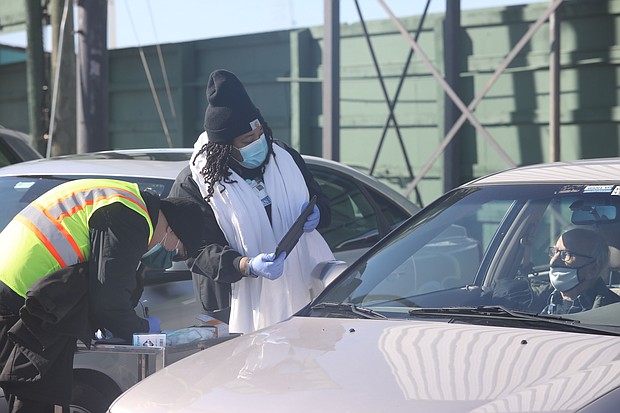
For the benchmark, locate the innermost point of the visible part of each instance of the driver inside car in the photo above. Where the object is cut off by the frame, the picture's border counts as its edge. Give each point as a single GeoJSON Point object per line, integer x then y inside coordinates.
{"type": "Point", "coordinates": [578, 262]}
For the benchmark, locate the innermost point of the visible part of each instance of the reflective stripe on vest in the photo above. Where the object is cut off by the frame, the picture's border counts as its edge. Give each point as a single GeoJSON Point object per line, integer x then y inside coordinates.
{"type": "Point", "coordinates": [46, 223]}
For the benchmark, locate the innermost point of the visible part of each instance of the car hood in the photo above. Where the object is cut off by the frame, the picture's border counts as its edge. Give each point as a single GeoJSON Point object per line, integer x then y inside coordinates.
{"type": "Point", "coordinates": [342, 365]}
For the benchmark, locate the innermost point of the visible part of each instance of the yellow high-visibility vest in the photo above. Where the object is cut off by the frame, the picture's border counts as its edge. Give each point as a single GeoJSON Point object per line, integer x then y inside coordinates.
{"type": "Point", "coordinates": [52, 232]}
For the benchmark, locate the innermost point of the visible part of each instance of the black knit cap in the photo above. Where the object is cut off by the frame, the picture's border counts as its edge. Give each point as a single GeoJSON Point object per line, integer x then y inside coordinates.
{"type": "Point", "coordinates": [230, 109]}
{"type": "Point", "coordinates": [186, 219]}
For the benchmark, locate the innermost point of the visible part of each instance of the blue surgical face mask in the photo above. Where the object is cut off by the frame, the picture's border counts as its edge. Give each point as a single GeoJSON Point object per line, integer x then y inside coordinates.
{"type": "Point", "coordinates": [255, 153]}
{"type": "Point", "coordinates": [563, 278]}
{"type": "Point", "coordinates": [158, 256]}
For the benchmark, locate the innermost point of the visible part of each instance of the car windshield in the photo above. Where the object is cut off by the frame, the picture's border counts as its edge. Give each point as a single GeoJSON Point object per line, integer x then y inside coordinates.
{"type": "Point", "coordinates": [480, 253]}
{"type": "Point", "coordinates": [19, 191]}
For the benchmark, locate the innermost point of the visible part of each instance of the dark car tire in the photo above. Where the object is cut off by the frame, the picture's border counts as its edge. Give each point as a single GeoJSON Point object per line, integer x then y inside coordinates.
{"type": "Point", "coordinates": [92, 395]}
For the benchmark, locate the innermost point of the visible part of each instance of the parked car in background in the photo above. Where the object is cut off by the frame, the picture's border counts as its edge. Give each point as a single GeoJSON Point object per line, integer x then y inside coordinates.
{"type": "Point", "coordinates": [416, 324]}
{"type": "Point", "coordinates": [363, 211]}
{"type": "Point", "coordinates": [363, 208]}
{"type": "Point", "coordinates": [14, 147]}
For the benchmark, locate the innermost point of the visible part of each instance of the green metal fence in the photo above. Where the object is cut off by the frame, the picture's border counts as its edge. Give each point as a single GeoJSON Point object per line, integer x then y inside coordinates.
{"type": "Point", "coordinates": [282, 72]}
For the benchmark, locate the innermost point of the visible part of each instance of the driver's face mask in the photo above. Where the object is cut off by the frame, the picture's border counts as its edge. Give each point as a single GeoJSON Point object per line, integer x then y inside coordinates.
{"type": "Point", "coordinates": [564, 278]}
{"type": "Point", "coordinates": [159, 257]}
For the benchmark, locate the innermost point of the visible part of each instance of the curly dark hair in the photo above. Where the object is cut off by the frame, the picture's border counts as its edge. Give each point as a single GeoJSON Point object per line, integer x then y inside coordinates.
{"type": "Point", "coordinates": [216, 169]}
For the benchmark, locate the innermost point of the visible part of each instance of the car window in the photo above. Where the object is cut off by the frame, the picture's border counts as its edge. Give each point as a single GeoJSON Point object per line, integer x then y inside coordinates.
{"type": "Point", "coordinates": [482, 247]}
{"type": "Point", "coordinates": [18, 192]}
{"type": "Point", "coordinates": [451, 257]}
{"type": "Point", "coordinates": [391, 212]}
{"type": "Point", "coordinates": [4, 160]}
{"type": "Point", "coordinates": [14, 148]}
{"type": "Point", "coordinates": [354, 221]}
{"type": "Point", "coordinates": [444, 249]}
{"type": "Point", "coordinates": [556, 219]}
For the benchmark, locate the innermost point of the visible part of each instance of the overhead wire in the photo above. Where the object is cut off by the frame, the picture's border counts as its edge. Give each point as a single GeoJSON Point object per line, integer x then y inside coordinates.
{"type": "Point", "coordinates": [162, 65]}
{"type": "Point", "coordinates": [150, 79]}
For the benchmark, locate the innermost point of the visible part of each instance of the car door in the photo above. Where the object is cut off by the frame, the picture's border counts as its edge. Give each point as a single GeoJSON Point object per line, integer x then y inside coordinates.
{"type": "Point", "coordinates": [360, 215]}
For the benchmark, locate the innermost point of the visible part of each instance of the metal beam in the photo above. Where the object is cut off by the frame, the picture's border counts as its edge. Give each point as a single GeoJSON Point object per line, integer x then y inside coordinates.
{"type": "Point", "coordinates": [467, 113]}
{"type": "Point", "coordinates": [452, 35]}
{"type": "Point", "coordinates": [386, 97]}
{"type": "Point", "coordinates": [331, 80]}
{"type": "Point", "coordinates": [449, 91]}
{"type": "Point", "coordinates": [391, 104]}
{"type": "Point", "coordinates": [554, 87]}
{"type": "Point", "coordinates": [35, 73]}
{"type": "Point", "coordinates": [92, 73]}
{"type": "Point", "coordinates": [61, 136]}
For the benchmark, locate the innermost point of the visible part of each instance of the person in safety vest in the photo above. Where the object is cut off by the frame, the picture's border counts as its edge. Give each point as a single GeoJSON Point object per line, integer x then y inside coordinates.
{"type": "Point", "coordinates": [252, 189]}
{"type": "Point", "coordinates": [68, 266]}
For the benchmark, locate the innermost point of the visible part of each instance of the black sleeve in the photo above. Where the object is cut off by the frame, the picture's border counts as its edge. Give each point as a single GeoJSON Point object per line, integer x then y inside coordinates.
{"type": "Point", "coordinates": [322, 201]}
{"type": "Point", "coordinates": [217, 260]}
{"type": "Point", "coordinates": [119, 238]}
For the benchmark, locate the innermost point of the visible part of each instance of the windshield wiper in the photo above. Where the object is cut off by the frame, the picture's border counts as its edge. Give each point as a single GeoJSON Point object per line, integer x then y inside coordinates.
{"type": "Point", "coordinates": [347, 309]}
{"type": "Point", "coordinates": [503, 313]}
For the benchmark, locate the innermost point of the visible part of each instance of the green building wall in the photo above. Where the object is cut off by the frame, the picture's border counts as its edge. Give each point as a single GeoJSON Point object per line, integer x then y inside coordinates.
{"type": "Point", "coordinates": [282, 71]}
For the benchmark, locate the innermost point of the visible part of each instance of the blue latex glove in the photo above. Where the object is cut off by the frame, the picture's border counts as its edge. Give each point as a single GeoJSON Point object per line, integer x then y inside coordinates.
{"type": "Point", "coordinates": [313, 218]}
{"type": "Point", "coordinates": [268, 266]}
{"type": "Point", "coordinates": [154, 325]}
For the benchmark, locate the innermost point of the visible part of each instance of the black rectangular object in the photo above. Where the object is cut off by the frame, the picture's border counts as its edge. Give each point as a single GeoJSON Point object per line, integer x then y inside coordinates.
{"type": "Point", "coordinates": [290, 239]}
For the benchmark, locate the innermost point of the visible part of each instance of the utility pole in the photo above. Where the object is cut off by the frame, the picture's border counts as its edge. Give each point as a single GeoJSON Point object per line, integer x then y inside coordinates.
{"type": "Point", "coordinates": [452, 154]}
{"type": "Point", "coordinates": [92, 76]}
{"type": "Point", "coordinates": [35, 73]}
{"type": "Point", "coordinates": [331, 80]}
{"type": "Point", "coordinates": [63, 71]}
{"type": "Point", "coordinates": [554, 87]}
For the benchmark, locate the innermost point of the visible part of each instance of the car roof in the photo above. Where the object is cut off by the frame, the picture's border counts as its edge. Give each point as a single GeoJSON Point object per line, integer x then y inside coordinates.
{"type": "Point", "coordinates": [585, 171]}
{"type": "Point", "coordinates": [157, 163]}
{"type": "Point", "coordinates": [163, 163]}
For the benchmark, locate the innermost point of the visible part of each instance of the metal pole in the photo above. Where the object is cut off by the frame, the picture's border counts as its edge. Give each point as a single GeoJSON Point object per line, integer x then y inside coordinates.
{"type": "Point", "coordinates": [35, 74]}
{"type": "Point", "coordinates": [61, 138]}
{"type": "Point", "coordinates": [451, 156]}
{"type": "Point", "coordinates": [392, 104]}
{"type": "Point", "coordinates": [331, 80]}
{"type": "Point", "coordinates": [391, 115]}
{"type": "Point", "coordinates": [92, 76]}
{"type": "Point", "coordinates": [474, 103]}
{"type": "Point", "coordinates": [554, 87]}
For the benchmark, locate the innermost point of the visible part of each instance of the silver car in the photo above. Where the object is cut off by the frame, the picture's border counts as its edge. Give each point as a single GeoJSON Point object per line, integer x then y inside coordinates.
{"type": "Point", "coordinates": [363, 211]}
{"type": "Point", "coordinates": [14, 147]}
{"type": "Point", "coordinates": [441, 315]}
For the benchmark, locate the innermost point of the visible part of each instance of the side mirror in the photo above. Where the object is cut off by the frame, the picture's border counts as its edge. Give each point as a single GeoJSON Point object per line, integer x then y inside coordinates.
{"type": "Point", "coordinates": [327, 271]}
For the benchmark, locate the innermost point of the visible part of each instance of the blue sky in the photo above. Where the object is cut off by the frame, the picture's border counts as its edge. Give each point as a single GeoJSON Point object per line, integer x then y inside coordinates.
{"type": "Point", "coordinates": [146, 22]}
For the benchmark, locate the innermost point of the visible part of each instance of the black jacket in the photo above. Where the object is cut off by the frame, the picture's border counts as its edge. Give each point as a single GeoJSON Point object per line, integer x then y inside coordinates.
{"type": "Point", "coordinates": [597, 296]}
{"type": "Point", "coordinates": [38, 348]}
{"type": "Point", "coordinates": [217, 266]}
{"type": "Point", "coordinates": [119, 238]}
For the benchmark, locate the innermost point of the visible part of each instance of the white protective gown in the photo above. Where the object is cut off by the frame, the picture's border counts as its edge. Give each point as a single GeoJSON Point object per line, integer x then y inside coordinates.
{"type": "Point", "coordinates": [259, 302]}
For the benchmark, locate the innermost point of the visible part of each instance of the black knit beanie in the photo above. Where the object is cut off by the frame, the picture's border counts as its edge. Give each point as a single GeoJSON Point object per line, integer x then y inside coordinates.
{"type": "Point", "coordinates": [186, 219]}
{"type": "Point", "coordinates": [230, 109]}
